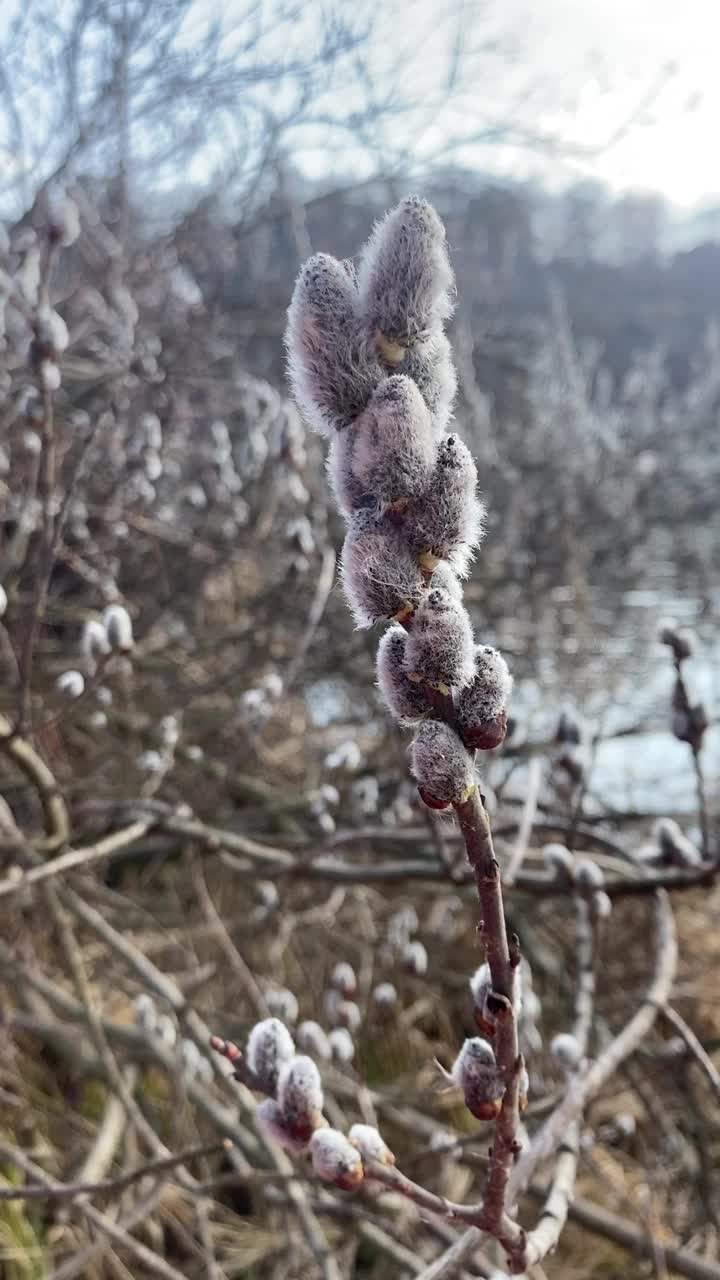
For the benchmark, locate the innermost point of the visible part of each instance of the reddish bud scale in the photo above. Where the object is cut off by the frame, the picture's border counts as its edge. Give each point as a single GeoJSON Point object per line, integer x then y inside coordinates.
{"type": "Point", "coordinates": [225, 1048]}
{"type": "Point", "coordinates": [487, 736]}
{"type": "Point", "coordinates": [484, 1110]}
{"type": "Point", "coordinates": [431, 801]}
{"type": "Point", "coordinates": [486, 1029]}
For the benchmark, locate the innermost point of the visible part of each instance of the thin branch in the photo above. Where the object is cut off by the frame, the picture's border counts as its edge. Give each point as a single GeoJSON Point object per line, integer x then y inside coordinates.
{"type": "Point", "coordinates": [57, 822]}
{"type": "Point", "coordinates": [551, 1223]}
{"type": "Point", "coordinates": [624, 1044]}
{"type": "Point", "coordinates": [694, 1045]}
{"type": "Point", "coordinates": [75, 858]}
{"type": "Point", "coordinates": [102, 1221]}
{"type": "Point", "coordinates": [475, 827]}
{"type": "Point", "coordinates": [612, 1227]}
{"type": "Point", "coordinates": [152, 1169]}
{"type": "Point", "coordinates": [526, 822]}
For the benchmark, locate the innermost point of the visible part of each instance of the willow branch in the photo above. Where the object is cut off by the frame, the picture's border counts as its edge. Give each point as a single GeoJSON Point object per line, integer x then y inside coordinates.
{"type": "Point", "coordinates": [27, 759]}
{"type": "Point", "coordinates": [625, 1043]}
{"type": "Point", "coordinates": [475, 827]}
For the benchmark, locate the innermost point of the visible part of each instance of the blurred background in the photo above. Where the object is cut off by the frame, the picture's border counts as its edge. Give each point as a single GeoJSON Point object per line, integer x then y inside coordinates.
{"type": "Point", "coordinates": [207, 151]}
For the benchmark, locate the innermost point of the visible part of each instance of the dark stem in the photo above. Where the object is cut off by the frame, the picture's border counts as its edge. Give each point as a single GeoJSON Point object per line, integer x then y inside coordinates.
{"type": "Point", "coordinates": [475, 827]}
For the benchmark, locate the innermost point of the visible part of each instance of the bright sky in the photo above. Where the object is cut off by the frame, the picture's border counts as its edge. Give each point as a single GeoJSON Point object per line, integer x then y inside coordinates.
{"type": "Point", "coordinates": [628, 89]}
{"type": "Point", "coordinates": [616, 54]}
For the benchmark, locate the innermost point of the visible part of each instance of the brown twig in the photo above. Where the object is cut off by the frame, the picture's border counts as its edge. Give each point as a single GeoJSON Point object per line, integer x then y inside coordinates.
{"type": "Point", "coordinates": [57, 822]}
{"type": "Point", "coordinates": [151, 1169]}
{"type": "Point", "coordinates": [526, 822]}
{"type": "Point", "coordinates": [612, 1227]}
{"type": "Point", "coordinates": [695, 1047]}
{"type": "Point", "coordinates": [624, 1044]}
{"type": "Point", "coordinates": [236, 962]}
{"type": "Point", "coordinates": [102, 1221]}
{"type": "Point", "coordinates": [75, 858]}
{"type": "Point", "coordinates": [475, 827]}
{"type": "Point", "coordinates": [552, 1136]}
{"type": "Point", "coordinates": [546, 1234]}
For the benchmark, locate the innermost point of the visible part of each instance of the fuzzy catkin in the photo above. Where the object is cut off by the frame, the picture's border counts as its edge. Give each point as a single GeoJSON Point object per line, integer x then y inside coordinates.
{"type": "Point", "coordinates": [386, 458]}
{"type": "Point", "coordinates": [429, 364]}
{"type": "Point", "coordinates": [300, 1096]}
{"type": "Point", "coordinates": [344, 978]}
{"type": "Point", "coordinates": [381, 577]}
{"type": "Point", "coordinates": [371, 1144]}
{"type": "Point", "coordinates": [558, 859]}
{"type": "Point", "coordinates": [332, 369]}
{"type": "Point", "coordinates": [445, 579]}
{"type": "Point", "coordinates": [441, 766]}
{"type": "Point", "coordinates": [446, 523]}
{"type": "Point", "coordinates": [310, 1036]}
{"type": "Point", "coordinates": [440, 649]}
{"type": "Point", "coordinates": [482, 706]}
{"type": "Point", "coordinates": [566, 1050]}
{"type": "Point", "coordinates": [270, 1120]}
{"type": "Point", "coordinates": [118, 628]}
{"type": "Point", "coordinates": [335, 1159]}
{"type": "Point", "coordinates": [405, 698]}
{"type": "Point", "coordinates": [475, 1071]}
{"type": "Point", "coordinates": [94, 641]}
{"type": "Point", "coordinates": [405, 275]}
{"type": "Point", "coordinates": [269, 1046]}
{"type": "Point", "coordinates": [674, 846]}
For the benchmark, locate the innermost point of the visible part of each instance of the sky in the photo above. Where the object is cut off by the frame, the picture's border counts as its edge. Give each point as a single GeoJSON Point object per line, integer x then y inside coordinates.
{"type": "Point", "coordinates": [646, 69]}
{"type": "Point", "coordinates": [623, 91]}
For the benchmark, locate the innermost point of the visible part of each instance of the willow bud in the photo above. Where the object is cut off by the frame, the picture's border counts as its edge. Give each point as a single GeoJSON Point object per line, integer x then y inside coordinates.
{"type": "Point", "coordinates": [385, 995]}
{"type": "Point", "coordinates": [414, 958]}
{"type": "Point", "coordinates": [310, 1036]}
{"type": "Point", "coordinates": [335, 1159]}
{"type": "Point", "coordinates": [118, 628]}
{"type": "Point", "coordinates": [441, 766]}
{"type": "Point", "coordinates": [300, 1097]}
{"type": "Point", "coordinates": [675, 848]}
{"type": "Point", "coordinates": [559, 860]}
{"type": "Point", "coordinates": [347, 1014]}
{"type": "Point", "coordinates": [475, 1071]}
{"type": "Point", "coordinates": [588, 875]}
{"type": "Point", "coordinates": [344, 978]}
{"type": "Point", "coordinates": [380, 575]}
{"type": "Point", "coordinates": [446, 522]}
{"type": "Point", "coordinates": [440, 650]}
{"type": "Point", "coordinates": [270, 1121]}
{"type": "Point", "coordinates": [429, 363]}
{"type": "Point", "coordinates": [444, 579]}
{"type": "Point", "coordinates": [283, 1004]}
{"type": "Point", "coordinates": [405, 698]}
{"type": "Point", "coordinates": [405, 277]}
{"type": "Point", "coordinates": [342, 1044]}
{"type": "Point", "coordinates": [391, 447]}
{"type": "Point", "coordinates": [269, 1047]}
{"type": "Point", "coordinates": [565, 1049]}
{"type": "Point", "coordinates": [71, 684]}
{"type": "Point", "coordinates": [370, 1144]}
{"type": "Point", "coordinates": [332, 369]}
{"type": "Point", "coordinates": [482, 706]}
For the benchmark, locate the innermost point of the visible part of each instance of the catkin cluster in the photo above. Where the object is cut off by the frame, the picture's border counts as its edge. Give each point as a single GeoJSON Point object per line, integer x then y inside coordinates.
{"type": "Point", "coordinates": [371, 368]}
{"type": "Point", "coordinates": [291, 1112]}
